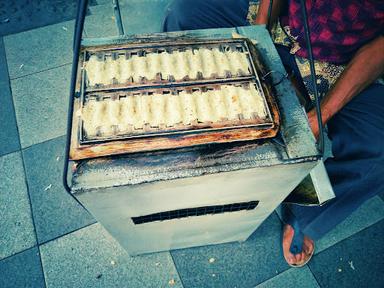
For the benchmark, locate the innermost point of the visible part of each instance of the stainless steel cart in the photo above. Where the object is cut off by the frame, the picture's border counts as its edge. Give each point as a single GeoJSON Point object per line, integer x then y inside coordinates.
{"type": "Point", "coordinates": [201, 195]}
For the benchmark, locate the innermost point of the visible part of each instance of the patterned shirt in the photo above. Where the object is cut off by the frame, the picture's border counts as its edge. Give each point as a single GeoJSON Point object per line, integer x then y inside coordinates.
{"type": "Point", "coordinates": [338, 28]}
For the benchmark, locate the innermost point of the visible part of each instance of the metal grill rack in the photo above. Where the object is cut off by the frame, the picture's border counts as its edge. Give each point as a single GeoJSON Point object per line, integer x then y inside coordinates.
{"type": "Point", "coordinates": [103, 54]}
{"type": "Point", "coordinates": [117, 90]}
{"type": "Point", "coordinates": [153, 131]}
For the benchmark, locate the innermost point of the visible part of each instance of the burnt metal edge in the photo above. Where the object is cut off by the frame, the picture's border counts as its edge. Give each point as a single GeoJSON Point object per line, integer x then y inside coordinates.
{"type": "Point", "coordinates": [220, 169]}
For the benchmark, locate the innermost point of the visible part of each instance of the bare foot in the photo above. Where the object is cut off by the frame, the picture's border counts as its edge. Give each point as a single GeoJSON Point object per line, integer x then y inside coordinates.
{"type": "Point", "coordinates": [299, 259]}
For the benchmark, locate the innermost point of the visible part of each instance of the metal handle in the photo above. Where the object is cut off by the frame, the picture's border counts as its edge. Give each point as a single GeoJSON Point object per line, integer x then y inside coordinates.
{"type": "Point", "coordinates": [82, 8]}
{"type": "Point", "coordinates": [320, 141]}
{"type": "Point", "coordinates": [116, 10]}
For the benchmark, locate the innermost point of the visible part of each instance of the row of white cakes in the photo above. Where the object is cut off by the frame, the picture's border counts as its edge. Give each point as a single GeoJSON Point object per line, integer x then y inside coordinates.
{"type": "Point", "coordinates": [108, 117]}
{"type": "Point", "coordinates": [178, 64]}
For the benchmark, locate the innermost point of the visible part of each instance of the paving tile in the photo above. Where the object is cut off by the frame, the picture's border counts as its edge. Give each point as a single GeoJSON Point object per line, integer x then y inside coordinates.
{"type": "Point", "coordinates": [354, 262]}
{"type": "Point", "coordinates": [236, 264]}
{"type": "Point", "coordinates": [143, 16]}
{"type": "Point", "coordinates": [102, 2]}
{"type": "Point", "coordinates": [90, 257]}
{"type": "Point", "coordinates": [24, 14]}
{"type": "Point", "coordinates": [138, 17]}
{"type": "Point", "coordinates": [292, 278]}
{"type": "Point", "coordinates": [41, 102]}
{"type": "Point", "coordinates": [54, 210]}
{"type": "Point", "coordinates": [9, 137]}
{"type": "Point", "coordinates": [381, 194]}
{"type": "Point", "coordinates": [368, 214]}
{"type": "Point", "coordinates": [22, 270]}
{"type": "Point", "coordinates": [39, 49]}
{"type": "Point", "coordinates": [100, 22]}
{"type": "Point", "coordinates": [16, 226]}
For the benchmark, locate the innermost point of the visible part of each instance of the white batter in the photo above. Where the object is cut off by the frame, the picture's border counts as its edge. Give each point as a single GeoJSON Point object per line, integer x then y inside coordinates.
{"type": "Point", "coordinates": [133, 113]}
{"type": "Point", "coordinates": [178, 64]}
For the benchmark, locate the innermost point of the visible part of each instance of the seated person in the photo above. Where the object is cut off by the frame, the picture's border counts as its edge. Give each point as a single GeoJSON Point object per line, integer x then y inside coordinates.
{"type": "Point", "coordinates": [348, 47]}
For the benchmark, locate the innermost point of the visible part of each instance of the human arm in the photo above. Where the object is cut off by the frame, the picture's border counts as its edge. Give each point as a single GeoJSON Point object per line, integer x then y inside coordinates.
{"type": "Point", "coordinates": [364, 68]}
{"type": "Point", "coordinates": [262, 13]}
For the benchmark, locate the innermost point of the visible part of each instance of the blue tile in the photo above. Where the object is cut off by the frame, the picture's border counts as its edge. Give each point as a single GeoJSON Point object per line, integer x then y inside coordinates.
{"type": "Point", "coordinates": [235, 264]}
{"type": "Point", "coordinates": [22, 270]}
{"type": "Point", "coordinates": [90, 257]}
{"type": "Point", "coordinates": [54, 210]}
{"type": "Point", "coordinates": [292, 278]}
{"type": "Point", "coordinates": [16, 225]}
{"type": "Point", "coordinates": [143, 16]}
{"type": "Point", "coordinates": [381, 194]}
{"type": "Point", "coordinates": [39, 49]}
{"type": "Point", "coordinates": [366, 215]}
{"type": "Point", "coordinates": [24, 14]}
{"type": "Point", "coordinates": [41, 102]}
{"type": "Point", "coordinates": [103, 2]}
{"type": "Point", "coordinates": [100, 23]}
{"type": "Point", "coordinates": [371, 212]}
{"type": "Point", "coordinates": [9, 137]}
{"type": "Point", "coordinates": [354, 262]}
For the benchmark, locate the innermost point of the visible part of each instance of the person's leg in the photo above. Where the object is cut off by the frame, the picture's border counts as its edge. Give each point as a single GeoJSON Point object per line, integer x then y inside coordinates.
{"type": "Point", "coordinates": [203, 14]}
{"type": "Point", "coordinates": [356, 171]}
{"type": "Point", "coordinates": [297, 248]}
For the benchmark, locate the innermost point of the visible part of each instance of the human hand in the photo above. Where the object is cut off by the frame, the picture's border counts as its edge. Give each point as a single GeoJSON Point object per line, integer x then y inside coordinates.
{"type": "Point", "coordinates": [313, 123]}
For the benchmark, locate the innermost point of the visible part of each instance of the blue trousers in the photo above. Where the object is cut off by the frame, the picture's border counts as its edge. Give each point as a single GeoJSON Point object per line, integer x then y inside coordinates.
{"type": "Point", "coordinates": [357, 131]}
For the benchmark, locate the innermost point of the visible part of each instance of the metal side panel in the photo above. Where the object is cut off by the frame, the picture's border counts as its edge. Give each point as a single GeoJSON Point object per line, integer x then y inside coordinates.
{"type": "Point", "coordinates": [114, 207]}
{"type": "Point", "coordinates": [320, 180]}
{"type": "Point", "coordinates": [314, 190]}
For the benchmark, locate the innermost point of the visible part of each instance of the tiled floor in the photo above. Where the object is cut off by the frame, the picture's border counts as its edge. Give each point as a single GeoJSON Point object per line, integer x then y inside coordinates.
{"type": "Point", "coordinates": [21, 15]}
{"type": "Point", "coordinates": [48, 240]}
{"type": "Point", "coordinates": [9, 138]}
{"type": "Point", "coordinates": [54, 211]}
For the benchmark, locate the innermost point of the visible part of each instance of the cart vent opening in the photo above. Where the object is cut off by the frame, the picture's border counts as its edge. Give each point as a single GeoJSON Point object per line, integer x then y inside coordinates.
{"type": "Point", "coordinates": [198, 211]}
